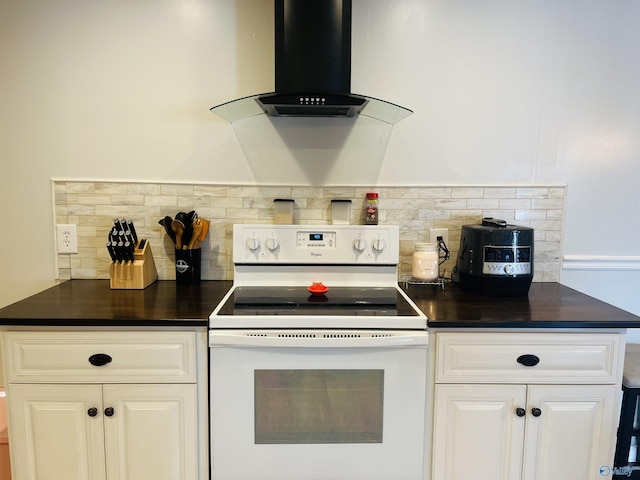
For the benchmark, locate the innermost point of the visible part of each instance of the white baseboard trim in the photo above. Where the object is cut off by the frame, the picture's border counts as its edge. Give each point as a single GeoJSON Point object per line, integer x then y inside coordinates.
{"type": "Point", "coordinates": [600, 262]}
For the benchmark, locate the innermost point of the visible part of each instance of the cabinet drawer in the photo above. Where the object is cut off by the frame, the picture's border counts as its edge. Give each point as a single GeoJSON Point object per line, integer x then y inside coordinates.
{"type": "Point", "coordinates": [138, 357]}
{"type": "Point", "coordinates": [485, 357]}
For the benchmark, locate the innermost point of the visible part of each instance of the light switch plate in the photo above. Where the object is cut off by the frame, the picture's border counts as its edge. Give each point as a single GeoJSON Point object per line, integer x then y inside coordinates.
{"type": "Point", "coordinates": [67, 238]}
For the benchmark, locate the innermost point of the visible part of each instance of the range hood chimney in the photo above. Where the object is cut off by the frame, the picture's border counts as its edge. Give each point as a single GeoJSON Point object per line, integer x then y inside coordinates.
{"type": "Point", "coordinates": [312, 68]}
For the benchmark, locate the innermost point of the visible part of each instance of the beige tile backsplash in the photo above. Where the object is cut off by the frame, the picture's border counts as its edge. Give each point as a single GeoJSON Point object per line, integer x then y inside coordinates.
{"type": "Point", "coordinates": [92, 206]}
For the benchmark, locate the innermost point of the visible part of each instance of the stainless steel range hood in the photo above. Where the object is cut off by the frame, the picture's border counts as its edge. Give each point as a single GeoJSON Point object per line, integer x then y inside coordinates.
{"type": "Point", "coordinates": [313, 68]}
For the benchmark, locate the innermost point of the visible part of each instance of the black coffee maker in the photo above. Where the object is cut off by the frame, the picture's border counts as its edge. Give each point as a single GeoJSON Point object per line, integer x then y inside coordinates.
{"type": "Point", "coordinates": [495, 259]}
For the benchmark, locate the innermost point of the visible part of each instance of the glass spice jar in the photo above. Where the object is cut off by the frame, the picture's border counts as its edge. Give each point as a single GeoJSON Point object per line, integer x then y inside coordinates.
{"type": "Point", "coordinates": [371, 209]}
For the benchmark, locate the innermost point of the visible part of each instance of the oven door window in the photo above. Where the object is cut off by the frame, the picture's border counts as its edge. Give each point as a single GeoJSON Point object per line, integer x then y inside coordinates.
{"type": "Point", "coordinates": [318, 406]}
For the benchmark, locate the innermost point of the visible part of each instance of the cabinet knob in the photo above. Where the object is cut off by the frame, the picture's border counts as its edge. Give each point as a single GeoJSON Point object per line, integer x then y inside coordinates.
{"type": "Point", "coordinates": [521, 412]}
{"type": "Point", "coordinates": [109, 411]}
{"type": "Point", "coordinates": [536, 412]}
{"type": "Point", "coordinates": [100, 359]}
{"type": "Point", "coordinates": [92, 412]}
{"type": "Point", "coordinates": [528, 360]}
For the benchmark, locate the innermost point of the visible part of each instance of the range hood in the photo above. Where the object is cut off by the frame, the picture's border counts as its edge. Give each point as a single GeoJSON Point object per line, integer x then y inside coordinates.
{"type": "Point", "coordinates": [312, 68]}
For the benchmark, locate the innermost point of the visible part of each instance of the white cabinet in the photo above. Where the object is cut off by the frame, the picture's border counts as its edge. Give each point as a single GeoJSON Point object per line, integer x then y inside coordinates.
{"type": "Point", "coordinates": [152, 433]}
{"type": "Point", "coordinates": [498, 419]}
{"type": "Point", "coordinates": [134, 417]}
{"type": "Point", "coordinates": [573, 434]}
{"type": "Point", "coordinates": [476, 434]}
{"type": "Point", "coordinates": [52, 435]}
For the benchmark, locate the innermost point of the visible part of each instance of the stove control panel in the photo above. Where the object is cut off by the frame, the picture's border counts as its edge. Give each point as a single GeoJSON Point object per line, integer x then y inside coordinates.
{"type": "Point", "coordinates": [316, 244]}
{"type": "Point", "coordinates": [316, 239]}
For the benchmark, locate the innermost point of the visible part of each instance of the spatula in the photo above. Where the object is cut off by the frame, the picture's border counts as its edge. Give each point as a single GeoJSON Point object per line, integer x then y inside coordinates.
{"type": "Point", "coordinates": [178, 228]}
{"type": "Point", "coordinates": [203, 233]}
{"type": "Point", "coordinates": [195, 235]}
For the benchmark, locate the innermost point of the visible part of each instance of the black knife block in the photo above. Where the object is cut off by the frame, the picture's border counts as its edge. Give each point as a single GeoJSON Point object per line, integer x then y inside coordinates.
{"type": "Point", "coordinates": [135, 275]}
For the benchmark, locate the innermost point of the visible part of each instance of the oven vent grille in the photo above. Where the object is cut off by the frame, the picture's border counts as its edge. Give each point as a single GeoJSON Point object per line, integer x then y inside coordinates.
{"type": "Point", "coordinates": [297, 335]}
{"type": "Point", "coordinates": [342, 335]}
{"type": "Point", "coordinates": [318, 334]}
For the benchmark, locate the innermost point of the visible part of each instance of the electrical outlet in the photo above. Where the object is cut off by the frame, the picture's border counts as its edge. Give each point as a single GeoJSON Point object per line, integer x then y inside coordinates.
{"type": "Point", "coordinates": [434, 233]}
{"type": "Point", "coordinates": [67, 238]}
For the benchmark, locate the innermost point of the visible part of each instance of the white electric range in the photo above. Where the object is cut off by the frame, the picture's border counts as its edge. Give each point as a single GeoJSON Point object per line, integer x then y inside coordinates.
{"type": "Point", "coordinates": [318, 365]}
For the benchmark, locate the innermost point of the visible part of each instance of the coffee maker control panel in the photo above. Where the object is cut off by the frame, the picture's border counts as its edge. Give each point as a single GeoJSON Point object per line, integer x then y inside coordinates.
{"type": "Point", "coordinates": [506, 260]}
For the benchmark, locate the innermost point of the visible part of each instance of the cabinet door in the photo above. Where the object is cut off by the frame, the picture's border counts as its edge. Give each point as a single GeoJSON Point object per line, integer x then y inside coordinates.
{"type": "Point", "coordinates": [477, 434]}
{"type": "Point", "coordinates": [53, 437]}
{"type": "Point", "coordinates": [152, 433]}
{"type": "Point", "coordinates": [573, 436]}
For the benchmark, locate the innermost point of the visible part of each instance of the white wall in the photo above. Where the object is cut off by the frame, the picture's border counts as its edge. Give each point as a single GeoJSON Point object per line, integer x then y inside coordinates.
{"type": "Point", "coordinates": [503, 92]}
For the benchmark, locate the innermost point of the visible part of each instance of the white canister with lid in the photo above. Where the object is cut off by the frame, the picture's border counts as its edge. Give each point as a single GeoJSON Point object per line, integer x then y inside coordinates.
{"type": "Point", "coordinates": [425, 262]}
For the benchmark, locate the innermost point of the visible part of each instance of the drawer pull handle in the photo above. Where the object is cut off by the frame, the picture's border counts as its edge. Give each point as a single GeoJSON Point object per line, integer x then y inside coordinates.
{"type": "Point", "coordinates": [109, 411]}
{"type": "Point", "coordinates": [100, 359]}
{"type": "Point", "coordinates": [92, 412]}
{"type": "Point", "coordinates": [528, 360]}
{"type": "Point", "coordinates": [536, 412]}
{"type": "Point", "coordinates": [521, 412]}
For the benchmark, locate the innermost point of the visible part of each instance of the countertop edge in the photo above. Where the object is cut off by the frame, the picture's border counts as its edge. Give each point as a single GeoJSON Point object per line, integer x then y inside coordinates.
{"type": "Point", "coordinates": [532, 324]}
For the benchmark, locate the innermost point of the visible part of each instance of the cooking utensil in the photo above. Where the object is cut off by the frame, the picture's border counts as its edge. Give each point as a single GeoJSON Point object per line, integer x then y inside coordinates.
{"type": "Point", "coordinates": [178, 228]}
{"type": "Point", "coordinates": [192, 218]}
{"type": "Point", "coordinates": [187, 235]}
{"type": "Point", "coordinates": [195, 237]}
{"type": "Point", "coordinates": [166, 223]}
{"type": "Point", "coordinates": [187, 228]}
{"type": "Point", "coordinates": [203, 234]}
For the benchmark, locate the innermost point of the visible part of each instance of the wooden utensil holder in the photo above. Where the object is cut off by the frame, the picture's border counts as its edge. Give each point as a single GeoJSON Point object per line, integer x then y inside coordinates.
{"type": "Point", "coordinates": [135, 275]}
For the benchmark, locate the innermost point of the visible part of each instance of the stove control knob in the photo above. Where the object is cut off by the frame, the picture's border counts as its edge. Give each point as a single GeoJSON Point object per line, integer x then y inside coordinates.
{"type": "Point", "coordinates": [378, 245]}
{"type": "Point", "coordinates": [359, 244]}
{"type": "Point", "coordinates": [508, 269]}
{"type": "Point", "coordinates": [272, 244]}
{"type": "Point", "coordinates": [252, 244]}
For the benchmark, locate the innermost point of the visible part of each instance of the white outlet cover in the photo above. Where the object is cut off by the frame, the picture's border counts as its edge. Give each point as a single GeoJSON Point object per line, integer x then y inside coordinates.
{"type": "Point", "coordinates": [67, 238]}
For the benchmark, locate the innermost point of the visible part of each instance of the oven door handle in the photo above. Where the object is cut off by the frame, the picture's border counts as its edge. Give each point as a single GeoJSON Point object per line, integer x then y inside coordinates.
{"type": "Point", "coordinates": [320, 339]}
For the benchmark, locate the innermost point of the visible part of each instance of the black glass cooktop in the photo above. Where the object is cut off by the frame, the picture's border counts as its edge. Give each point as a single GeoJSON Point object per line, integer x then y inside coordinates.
{"type": "Point", "coordinates": [347, 301]}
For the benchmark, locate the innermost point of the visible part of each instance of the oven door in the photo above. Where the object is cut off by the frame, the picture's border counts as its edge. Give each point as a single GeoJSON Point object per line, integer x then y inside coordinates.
{"type": "Point", "coordinates": [318, 405]}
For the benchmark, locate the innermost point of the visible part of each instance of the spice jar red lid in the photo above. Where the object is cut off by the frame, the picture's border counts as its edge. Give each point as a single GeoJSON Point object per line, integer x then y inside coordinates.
{"type": "Point", "coordinates": [372, 195]}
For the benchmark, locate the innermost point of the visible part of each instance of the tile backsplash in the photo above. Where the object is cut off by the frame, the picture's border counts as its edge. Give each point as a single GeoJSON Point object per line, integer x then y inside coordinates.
{"type": "Point", "coordinates": [92, 206]}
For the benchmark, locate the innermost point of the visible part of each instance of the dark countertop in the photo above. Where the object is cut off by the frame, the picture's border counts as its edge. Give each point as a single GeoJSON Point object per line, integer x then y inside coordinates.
{"type": "Point", "coordinates": [93, 303]}
{"type": "Point", "coordinates": [548, 305]}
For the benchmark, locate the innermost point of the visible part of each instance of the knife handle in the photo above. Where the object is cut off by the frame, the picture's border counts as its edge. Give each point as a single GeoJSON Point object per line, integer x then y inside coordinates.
{"type": "Point", "coordinates": [127, 251]}
{"type": "Point", "coordinates": [132, 230]}
{"type": "Point", "coordinates": [122, 226]}
{"type": "Point", "coordinates": [112, 253]}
